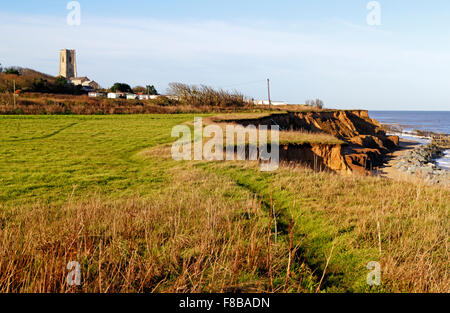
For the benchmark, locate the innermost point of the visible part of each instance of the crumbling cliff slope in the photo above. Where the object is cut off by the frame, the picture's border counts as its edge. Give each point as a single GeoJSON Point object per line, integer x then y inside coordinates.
{"type": "Point", "coordinates": [365, 142]}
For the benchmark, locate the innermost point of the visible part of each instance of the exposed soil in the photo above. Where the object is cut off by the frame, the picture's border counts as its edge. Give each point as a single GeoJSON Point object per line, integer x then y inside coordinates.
{"type": "Point", "coordinates": [365, 147]}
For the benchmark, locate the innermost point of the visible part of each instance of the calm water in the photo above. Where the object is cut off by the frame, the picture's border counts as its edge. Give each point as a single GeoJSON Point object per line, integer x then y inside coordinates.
{"type": "Point", "coordinates": [435, 121]}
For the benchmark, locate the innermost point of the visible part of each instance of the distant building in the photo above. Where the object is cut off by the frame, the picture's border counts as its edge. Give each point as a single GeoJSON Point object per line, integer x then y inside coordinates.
{"type": "Point", "coordinates": [148, 97]}
{"type": "Point", "coordinates": [116, 95]}
{"type": "Point", "coordinates": [67, 63]}
{"type": "Point", "coordinates": [132, 96]}
{"type": "Point", "coordinates": [91, 83]}
{"type": "Point", "coordinates": [96, 94]}
{"type": "Point", "coordinates": [78, 80]}
{"type": "Point", "coordinates": [84, 82]}
{"type": "Point", "coordinates": [68, 69]}
{"type": "Point", "coordinates": [266, 102]}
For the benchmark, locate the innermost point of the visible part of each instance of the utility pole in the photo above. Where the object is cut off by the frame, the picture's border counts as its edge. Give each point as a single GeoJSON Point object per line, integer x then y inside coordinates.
{"type": "Point", "coordinates": [14, 93]}
{"type": "Point", "coordinates": [268, 92]}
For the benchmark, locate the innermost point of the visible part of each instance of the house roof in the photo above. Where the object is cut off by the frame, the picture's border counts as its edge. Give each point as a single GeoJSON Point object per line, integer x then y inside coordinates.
{"type": "Point", "coordinates": [83, 78]}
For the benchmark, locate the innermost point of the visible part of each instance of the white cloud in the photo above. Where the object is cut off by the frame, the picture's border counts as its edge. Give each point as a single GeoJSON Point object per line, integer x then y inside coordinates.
{"type": "Point", "coordinates": [348, 62]}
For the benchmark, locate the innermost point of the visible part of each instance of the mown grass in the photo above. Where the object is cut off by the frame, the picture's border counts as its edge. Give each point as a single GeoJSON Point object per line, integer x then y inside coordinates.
{"type": "Point", "coordinates": [43, 158]}
{"type": "Point", "coordinates": [104, 191]}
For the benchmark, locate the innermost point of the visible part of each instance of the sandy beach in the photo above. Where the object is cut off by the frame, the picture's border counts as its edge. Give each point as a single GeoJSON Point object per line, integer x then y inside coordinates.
{"type": "Point", "coordinates": [390, 171]}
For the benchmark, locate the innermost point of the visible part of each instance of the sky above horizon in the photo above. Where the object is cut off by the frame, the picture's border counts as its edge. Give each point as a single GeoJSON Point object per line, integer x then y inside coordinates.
{"type": "Point", "coordinates": [308, 49]}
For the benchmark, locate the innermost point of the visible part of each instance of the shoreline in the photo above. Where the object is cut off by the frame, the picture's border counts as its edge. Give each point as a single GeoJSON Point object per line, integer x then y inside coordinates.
{"type": "Point", "coordinates": [390, 169]}
{"type": "Point", "coordinates": [417, 163]}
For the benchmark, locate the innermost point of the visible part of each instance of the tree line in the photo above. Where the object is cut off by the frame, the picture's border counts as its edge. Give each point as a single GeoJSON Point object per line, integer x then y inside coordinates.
{"type": "Point", "coordinates": [123, 87]}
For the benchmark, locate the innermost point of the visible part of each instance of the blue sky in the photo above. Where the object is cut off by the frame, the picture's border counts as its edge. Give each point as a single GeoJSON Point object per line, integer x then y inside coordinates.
{"type": "Point", "coordinates": [309, 49]}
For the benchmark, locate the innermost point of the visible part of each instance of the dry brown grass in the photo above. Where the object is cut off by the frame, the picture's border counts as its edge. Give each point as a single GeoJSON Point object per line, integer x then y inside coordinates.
{"type": "Point", "coordinates": [301, 137]}
{"type": "Point", "coordinates": [242, 116]}
{"type": "Point", "coordinates": [226, 226]}
{"type": "Point", "coordinates": [40, 103]}
{"type": "Point", "coordinates": [402, 225]}
{"type": "Point", "coordinates": [45, 103]}
{"type": "Point", "coordinates": [407, 224]}
{"type": "Point", "coordinates": [285, 136]}
{"type": "Point", "coordinates": [23, 81]}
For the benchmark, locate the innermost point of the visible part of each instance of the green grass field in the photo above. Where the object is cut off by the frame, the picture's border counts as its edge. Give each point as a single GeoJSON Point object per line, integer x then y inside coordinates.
{"type": "Point", "coordinates": [43, 158]}
{"type": "Point", "coordinates": [103, 190]}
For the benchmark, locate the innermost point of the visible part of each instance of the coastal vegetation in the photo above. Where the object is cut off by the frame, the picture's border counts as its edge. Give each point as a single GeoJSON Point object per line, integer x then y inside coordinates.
{"type": "Point", "coordinates": [28, 80]}
{"type": "Point", "coordinates": [58, 104]}
{"type": "Point", "coordinates": [31, 92]}
{"type": "Point", "coordinates": [206, 96]}
{"type": "Point", "coordinates": [31, 81]}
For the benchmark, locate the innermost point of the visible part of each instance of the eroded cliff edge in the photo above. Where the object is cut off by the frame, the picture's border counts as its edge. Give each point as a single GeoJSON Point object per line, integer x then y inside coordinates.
{"type": "Point", "coordinates": [365, 142]}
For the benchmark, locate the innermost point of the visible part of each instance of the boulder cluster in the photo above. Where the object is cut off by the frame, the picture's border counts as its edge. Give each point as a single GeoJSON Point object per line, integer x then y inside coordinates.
{"type": "Point", "coordinates": [420, 162]}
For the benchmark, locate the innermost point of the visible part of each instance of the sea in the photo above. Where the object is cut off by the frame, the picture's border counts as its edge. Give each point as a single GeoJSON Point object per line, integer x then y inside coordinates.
{"type": "Point", "coordinates": [410, 121]}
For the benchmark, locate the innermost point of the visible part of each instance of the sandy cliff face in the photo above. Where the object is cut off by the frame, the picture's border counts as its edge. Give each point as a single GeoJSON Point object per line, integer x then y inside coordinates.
{"type": "Point", "coordinates": [317, 156]}
{"type": "Point", "coordinates": [365, 141]}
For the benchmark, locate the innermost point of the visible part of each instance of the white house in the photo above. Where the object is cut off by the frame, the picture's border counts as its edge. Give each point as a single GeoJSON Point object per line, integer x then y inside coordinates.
{"type": "Point", "coordinates": [96, 94]}
{"type": "Point", "coordinates": [132, 96]}
{"type": "Point", "coordinates": [84, 82]}
{"type": "Point", "coordinates": [266, 102]}
{"type": "Point", "coordinates": [115, 95]}
{"type": "Point", "coordinates": [148, 97]}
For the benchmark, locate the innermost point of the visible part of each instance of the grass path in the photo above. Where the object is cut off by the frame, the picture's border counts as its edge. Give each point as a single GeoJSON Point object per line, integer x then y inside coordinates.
{"type": "Point", "coordinates": [314, 235]}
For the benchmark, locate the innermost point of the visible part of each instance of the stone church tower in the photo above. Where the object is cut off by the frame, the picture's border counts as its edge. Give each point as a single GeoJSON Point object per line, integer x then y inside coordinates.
{"type": "Point", "coordinates": [67, 64]}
